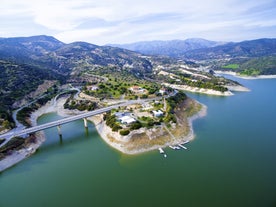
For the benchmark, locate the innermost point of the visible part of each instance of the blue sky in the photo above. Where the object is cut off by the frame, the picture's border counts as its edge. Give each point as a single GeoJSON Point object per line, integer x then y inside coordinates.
{"type": "Point", "coordinates": [125, 21]}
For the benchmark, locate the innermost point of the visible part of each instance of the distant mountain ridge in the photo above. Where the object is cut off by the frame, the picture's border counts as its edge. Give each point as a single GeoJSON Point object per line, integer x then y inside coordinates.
{"type": "Point", "coordinates": [171, 48]}
{"type": "Point", "coordinates": [251, 48]}
{"type": "Point", "coordinates": [201, 49]}
{"type": "Point", "coordinates": [26, 46]}
{"type": "Point", "coordinates": [48, 52]}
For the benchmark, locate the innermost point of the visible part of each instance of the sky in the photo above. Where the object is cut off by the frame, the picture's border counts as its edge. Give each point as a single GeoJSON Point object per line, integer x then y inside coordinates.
{"type": "Point", "coordinates": [125, 21]}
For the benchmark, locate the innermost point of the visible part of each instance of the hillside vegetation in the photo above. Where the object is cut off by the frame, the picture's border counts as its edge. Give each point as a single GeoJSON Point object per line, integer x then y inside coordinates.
{"type": "Point", "coordinates": [249, 67]}
{"type": "Point", "coordinates": [17, 81]}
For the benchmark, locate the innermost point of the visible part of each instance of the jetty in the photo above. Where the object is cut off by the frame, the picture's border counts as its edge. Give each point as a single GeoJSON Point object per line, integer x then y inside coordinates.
{"type": "Point", "coordinates": [174, 147]}
{"type": "Point", "coordinates": [183, 147]}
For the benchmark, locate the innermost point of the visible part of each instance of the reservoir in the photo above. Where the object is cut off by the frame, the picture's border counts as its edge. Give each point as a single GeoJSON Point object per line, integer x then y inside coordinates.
{"type": "Point", "coordinates": [230, 163]}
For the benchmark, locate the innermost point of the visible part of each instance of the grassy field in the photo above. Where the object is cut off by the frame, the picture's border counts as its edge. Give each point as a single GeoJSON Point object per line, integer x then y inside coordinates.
{"type": "Point", "coordinates": [231, 66]}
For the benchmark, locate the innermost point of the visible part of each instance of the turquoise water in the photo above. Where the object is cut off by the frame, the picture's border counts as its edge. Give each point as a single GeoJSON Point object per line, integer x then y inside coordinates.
{"type": "Point", "coordinates": [231, 162]}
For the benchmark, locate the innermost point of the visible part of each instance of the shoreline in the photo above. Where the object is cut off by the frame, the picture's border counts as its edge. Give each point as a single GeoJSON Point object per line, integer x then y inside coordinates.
{"type": "Point", "coordinates": [20, 155]}
{"type": "Point", "coordinates": [200, 90]}
{"type": "Point", "coordinates": [106, 133]}
{"type": "Point", "coordinates": [245, 77]}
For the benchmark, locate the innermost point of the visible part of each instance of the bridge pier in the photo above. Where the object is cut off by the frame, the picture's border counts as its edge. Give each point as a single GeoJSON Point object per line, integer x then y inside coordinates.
{"type": "Point", "coordinates": [60, 139]}
{"type": "Point", "coordinates": [59, 130]}
{"type": "Point", "coordinates": [85, 122]}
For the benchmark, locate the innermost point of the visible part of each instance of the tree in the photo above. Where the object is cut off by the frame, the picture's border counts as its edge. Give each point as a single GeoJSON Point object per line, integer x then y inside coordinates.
{"type": "Point", "coordinates": [124, 132]}
{"type": "Point", "coordinates": [6, 124]}
{"type": "Point", "coordinates": [135, 125]}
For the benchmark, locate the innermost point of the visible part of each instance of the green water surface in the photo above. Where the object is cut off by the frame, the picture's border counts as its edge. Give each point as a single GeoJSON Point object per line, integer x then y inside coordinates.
{"type": "Point", "coordinates": [231, 162]}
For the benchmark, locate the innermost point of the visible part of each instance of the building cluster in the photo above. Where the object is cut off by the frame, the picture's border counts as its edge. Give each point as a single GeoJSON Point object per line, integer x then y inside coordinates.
{"type": "Point", "coordinates": [127, 118]}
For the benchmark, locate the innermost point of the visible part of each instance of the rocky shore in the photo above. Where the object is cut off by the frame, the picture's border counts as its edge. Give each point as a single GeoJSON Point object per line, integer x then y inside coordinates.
{"type": "Point", "coordinates": [31, 148]}
{"type": "Point", "coordinates": [200, 90]}
{"type": "Point", "coordinates": [119, 142]}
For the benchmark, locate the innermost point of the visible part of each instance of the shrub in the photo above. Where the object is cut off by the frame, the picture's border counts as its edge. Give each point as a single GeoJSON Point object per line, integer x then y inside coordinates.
{"type": "Point", "coordinates": [116, 127]}
{"type": "Point", "coordinates": [124, 132]}
{"type": "Point", "coordinates": [136, 125]}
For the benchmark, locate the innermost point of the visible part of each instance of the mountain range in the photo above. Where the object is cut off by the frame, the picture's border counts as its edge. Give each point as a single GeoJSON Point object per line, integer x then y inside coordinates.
{"type": "Point", "coordinates": [48, 52]}
{"type": "Point", "coordinates": [249, 49]}
{"type": "Point", "coordinates": [172, 48]}
{"type": "Point", "coordinates": [201, 49]}
{"type": "Point", "coordinates": [251, 58]}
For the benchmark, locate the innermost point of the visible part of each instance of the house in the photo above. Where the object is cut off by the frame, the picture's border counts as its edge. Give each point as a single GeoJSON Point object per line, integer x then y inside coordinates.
{"type": "Point", "coordinates": [127, 120]}
{"type": "Point", "coordinates": [163, 91]}
{"type": "Point", "coordinates": [93, 88]}
{"type": "Point", "coordinates": [125, 117]}
{"type": "Point", "coordinates": [158, 113]}
{"type": "Point", "coordinates": [137, 89]}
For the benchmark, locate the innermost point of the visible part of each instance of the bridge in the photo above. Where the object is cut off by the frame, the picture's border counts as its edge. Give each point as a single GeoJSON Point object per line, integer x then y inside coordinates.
{"type": "Point", "coordinates": [83, 116]}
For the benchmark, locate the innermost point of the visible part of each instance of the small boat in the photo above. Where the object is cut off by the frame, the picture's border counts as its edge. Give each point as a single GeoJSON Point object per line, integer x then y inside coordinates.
{"type": "Point", "coordinates": [161, 150]}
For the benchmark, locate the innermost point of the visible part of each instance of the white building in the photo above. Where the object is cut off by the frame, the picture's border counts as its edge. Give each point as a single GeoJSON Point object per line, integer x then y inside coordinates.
{"type": "Point", "coordinates": [127, 120]}
{"type": "Point", "coordinates": [158, 113]}
{"type": "Point", "coordinates": [162, 91]}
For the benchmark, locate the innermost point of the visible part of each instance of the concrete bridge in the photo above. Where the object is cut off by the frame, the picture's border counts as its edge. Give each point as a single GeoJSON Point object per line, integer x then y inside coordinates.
{"type": "Point", "coordinates": [83, 116]}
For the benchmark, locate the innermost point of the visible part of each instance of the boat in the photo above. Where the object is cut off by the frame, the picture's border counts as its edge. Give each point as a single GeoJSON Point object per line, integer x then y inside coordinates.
{"type": "Point", "coordinates": [161, 150]}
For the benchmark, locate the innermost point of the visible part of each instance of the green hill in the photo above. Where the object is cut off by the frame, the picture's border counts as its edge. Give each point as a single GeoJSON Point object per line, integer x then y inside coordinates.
{"type": "Point", "coordinates": [250, 67]}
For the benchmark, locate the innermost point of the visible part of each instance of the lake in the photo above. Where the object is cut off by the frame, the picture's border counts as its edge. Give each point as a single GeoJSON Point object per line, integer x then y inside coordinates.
{"type": "Point", "coordinates": [231, 162]}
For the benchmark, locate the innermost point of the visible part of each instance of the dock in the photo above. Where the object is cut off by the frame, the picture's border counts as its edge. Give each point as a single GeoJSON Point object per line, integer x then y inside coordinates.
{"type": "Point", "coordinates": [174, 147]}
{"type": "Point", "coordinates": [183, 147]}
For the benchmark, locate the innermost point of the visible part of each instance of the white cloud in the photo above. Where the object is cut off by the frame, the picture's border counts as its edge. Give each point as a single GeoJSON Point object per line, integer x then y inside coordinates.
{"type": "Point", "coordinates": [111, 21]}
